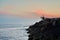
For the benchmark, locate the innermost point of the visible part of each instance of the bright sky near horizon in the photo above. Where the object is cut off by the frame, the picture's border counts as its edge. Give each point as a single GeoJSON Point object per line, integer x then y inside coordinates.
{"type": "Point", "coordinates": [27, 8]}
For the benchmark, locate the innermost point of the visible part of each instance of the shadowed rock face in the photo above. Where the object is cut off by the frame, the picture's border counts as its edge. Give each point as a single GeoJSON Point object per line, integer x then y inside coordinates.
{"type": "Point", "coordinates": [46, 29]}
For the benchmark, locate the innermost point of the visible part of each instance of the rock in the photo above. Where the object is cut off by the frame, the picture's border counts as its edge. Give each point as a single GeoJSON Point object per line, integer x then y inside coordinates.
{"type": "Point", "coordinates": [46, 29]}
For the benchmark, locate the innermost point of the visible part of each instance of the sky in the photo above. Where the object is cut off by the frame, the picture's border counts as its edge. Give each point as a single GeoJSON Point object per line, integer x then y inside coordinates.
{"type": "Point", "coordinates": [30, 8]}
{"type": "Point", "coordinates": [9, 19]}
{"type": "Point", "coordinates": [27, 7]}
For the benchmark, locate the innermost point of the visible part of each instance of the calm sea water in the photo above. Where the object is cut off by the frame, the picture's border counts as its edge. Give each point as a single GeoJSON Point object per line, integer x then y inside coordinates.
{"type": "Point", "coordinates": [9, 32]}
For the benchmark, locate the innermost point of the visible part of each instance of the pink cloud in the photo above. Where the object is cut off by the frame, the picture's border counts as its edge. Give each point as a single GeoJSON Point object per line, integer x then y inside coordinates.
{"type": "Point", "coordinates": [48, 15]}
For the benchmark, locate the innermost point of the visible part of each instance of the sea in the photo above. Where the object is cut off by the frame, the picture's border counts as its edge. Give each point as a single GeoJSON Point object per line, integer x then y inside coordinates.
{"type": "Point", "coordinates": [13, 32]}
{"type": "Point", "coordinates": [14, 27]}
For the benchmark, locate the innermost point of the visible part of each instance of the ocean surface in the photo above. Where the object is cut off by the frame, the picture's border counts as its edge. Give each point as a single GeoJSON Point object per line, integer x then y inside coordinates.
{"type": "Point", "coordinates": [13, 32]}
{"type": "Point", "coordinates": [13, 27]}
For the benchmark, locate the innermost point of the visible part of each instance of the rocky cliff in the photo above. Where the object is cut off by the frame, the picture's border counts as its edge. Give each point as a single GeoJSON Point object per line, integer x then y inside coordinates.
{"type": "Point", "coordinates": [46, 29]}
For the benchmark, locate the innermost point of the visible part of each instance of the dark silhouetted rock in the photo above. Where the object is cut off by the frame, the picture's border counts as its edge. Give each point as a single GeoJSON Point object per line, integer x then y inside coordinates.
{"type": "Point", "coordinates": [46, 29]}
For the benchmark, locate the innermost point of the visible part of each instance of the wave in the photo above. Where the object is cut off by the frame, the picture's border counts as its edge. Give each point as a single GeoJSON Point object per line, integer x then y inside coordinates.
{"type": "Point", "coordinates": [18, 33]}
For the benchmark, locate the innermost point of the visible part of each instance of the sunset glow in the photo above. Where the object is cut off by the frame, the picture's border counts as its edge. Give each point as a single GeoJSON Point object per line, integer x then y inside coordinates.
{"type": "Point", "coordinates": [48, 15]}
{"type": "Point", "coordinates": [26, 8]}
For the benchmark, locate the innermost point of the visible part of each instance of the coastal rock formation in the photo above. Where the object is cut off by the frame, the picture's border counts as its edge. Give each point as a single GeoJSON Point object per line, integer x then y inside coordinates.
{"type": "Point", "coordinates": [46, 29]}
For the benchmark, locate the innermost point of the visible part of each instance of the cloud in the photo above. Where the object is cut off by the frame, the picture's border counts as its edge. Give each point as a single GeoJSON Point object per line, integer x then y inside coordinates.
{"type": "Point", "coordinates": [48, 15]}
{"type": "Point", "coordinates": [22, 14]}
